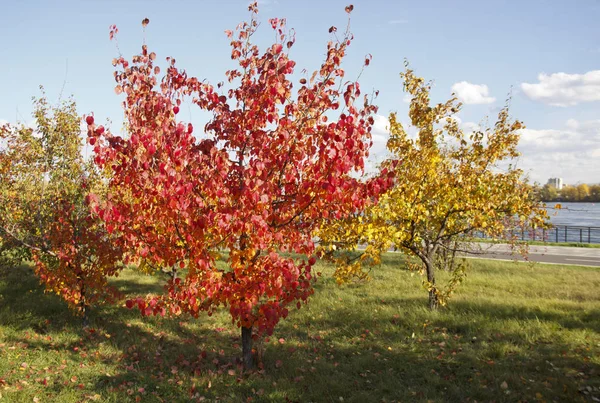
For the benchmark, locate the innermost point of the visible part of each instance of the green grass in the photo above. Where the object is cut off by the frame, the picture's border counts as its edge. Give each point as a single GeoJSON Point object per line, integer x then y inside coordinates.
{"type": "Point", "coordinates": [511, 333]}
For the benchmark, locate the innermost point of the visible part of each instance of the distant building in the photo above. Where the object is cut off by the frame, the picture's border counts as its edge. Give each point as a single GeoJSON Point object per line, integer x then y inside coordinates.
{"type": "Point", "coordinates": [556, 182]}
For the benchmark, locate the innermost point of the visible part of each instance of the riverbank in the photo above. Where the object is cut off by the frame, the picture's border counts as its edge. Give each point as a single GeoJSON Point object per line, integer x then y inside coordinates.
{"type": "Point", "coordinates": [542, 254]}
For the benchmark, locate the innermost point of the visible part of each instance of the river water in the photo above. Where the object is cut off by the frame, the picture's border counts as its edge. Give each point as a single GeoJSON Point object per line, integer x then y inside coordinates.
{"type": "Point", "coordinates": [575, 214]}
{"type": "Point", "coordinates": [574, 222]}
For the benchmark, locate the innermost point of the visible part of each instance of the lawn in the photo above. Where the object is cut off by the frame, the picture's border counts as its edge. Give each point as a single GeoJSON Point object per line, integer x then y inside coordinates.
{"type": "Point", "coordinates": [512, 333]}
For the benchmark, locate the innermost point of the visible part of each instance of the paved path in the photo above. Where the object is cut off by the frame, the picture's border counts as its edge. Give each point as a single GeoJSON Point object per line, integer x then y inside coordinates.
{"type": "Point", "coordinates": [545, 254]}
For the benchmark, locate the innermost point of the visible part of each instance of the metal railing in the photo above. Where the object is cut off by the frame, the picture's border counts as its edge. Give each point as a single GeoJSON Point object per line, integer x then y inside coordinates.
{"type": "Point", "coordinates": [555, 234]}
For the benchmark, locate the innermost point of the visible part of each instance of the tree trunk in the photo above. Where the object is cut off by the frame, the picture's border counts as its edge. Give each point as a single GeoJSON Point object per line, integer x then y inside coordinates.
{"type": "Point", "coordinates": [433, 298]}
{"type": "Point", "coordinates": [247, 358]}
{"type": "Point", "coordinates": [85, 323]}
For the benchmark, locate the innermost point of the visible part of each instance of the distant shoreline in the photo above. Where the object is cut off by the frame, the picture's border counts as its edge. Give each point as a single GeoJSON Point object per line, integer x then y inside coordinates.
{"type": "Point", "coordinates": [566, 201]}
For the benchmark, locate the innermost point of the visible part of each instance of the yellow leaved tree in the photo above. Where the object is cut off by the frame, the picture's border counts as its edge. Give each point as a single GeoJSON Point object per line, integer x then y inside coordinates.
{"type": "Point", "coordinates": [45, 214]}
{"type": "Point", "coordinates": [449, 185]}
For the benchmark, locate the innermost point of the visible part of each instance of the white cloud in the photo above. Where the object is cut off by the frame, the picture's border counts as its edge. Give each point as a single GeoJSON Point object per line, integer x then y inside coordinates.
{"type": "Point", "coordinates": [456, 119]}
{"type": "Point", "coordinates": [572, 124]}
{"type": "Point", "coordinates": [562, 89]}
{"type": "Point", "coordinates": [32, 124]}
{"type": "Point", "coordinates": [469, 93]}
{"type": "Point", "coordinates": [469, 127]}
{"type": "Point", "coordinates": [589, 127]}
{"type": "Point", "coordinates": [570, 153]}
{"type": "Point", "coordinates": [380, 134]}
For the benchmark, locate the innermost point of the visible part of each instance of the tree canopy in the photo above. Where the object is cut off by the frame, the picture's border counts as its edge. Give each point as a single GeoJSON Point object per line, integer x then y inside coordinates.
{"type": "Point", "coordinates": [447, 184]}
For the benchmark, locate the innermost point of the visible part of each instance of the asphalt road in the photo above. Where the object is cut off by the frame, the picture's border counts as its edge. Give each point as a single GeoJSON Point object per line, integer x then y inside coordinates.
{"type": "Point", "coordinates": [544, 254]}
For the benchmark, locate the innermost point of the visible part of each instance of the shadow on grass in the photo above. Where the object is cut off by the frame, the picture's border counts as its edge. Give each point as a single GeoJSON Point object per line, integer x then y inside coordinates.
{"type": "Point", "coordinates": [461, 354]}
{"type": "Point", "coordinates": [25, 305]}
{"type": "Point", "coordinates": [135, 350]}
{"type": "Point", "coordinates": [465, 352]}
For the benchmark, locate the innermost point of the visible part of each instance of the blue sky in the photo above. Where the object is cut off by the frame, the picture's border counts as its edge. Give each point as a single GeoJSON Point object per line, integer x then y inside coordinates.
{"type": "Point", "coordinates": [547, 51]}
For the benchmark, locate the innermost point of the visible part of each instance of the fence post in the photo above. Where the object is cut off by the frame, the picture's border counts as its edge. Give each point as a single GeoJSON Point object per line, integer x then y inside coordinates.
{"type": "Point", "coordinates": [566, 228]}
{"type": "Point", "coordinates": [589, 234]}
{"type": "Point", "coordinates": [580, 235]}
{"type": "Point", "coordinates": [556, 234]}
{"type": "Point", "coordinates": [544, 234]}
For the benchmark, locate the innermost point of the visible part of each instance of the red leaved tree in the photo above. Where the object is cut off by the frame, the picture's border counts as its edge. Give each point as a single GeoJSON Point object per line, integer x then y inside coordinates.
{"type": "Point", "coordinates": [271, 165]}
{"type": "Point", "coordinates": [77, 256]}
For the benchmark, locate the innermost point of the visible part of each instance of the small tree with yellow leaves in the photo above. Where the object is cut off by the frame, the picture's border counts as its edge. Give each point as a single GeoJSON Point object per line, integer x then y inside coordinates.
{"type": "Point", "coordinates": [44, 208]}
{"type": "Point", "coordinates": [448, 184]}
